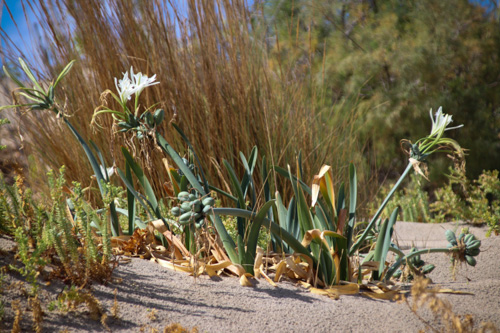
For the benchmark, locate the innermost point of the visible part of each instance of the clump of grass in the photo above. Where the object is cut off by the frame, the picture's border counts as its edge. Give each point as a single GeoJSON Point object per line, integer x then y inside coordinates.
{"type": "Point", "coordinates": [219, 83]}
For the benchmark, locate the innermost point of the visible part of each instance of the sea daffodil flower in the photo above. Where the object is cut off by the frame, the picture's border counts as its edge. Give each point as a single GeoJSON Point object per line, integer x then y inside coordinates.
{"type": "Point", "coordinates": [134, 84]}
{"type": "Point", "coordinates": [141, 81]}
{"type": "Point", "coordinates": [440, 124]}
{"type": "Point", "coordinates": [435, 139]}
{"type": "Point", "coordinates": [125, 88]}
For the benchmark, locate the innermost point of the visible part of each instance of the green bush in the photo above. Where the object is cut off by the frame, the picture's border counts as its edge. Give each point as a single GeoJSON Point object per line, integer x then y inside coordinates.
{"type": "Point", "coordinates": [476, 201]}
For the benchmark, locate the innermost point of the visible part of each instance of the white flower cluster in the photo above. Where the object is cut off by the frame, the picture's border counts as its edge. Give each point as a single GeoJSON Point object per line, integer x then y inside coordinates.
{"type": "Point", "coordinates": [134, 84]}
{"type": "Point", "coordinates": [441, 122]}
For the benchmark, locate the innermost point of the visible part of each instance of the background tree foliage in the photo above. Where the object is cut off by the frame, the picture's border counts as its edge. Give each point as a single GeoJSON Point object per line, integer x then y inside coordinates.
{"type": "Point", "coordinates": [394, 60]}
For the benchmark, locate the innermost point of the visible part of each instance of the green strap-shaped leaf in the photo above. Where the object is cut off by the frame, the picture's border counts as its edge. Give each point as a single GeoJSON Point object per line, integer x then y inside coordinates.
{"type": "Point", "coordinates": [240, 222]}
{"type": "Point", "coordinates": [29, 73]}
{"type": "Point", "coordinates": [299, 164]}
{"type": "Point", "coordinates": [101, 159]}
{"type": "Point", "coordinates": [64, 72]}
{"type": "Point", "coordinates": [282, 213]}
{"type": "Point", "coordinates": [247, 181]}
{"type": "Point", "coordinates": [13, 78]}
{"type": "Point", "coordinates": [353, 191]}
{"type": "Point", "coordinates": [236, 184]}
{"type": "Point", "coordinates": [276, 229]}
{"type": "Point", "coordinates": [285, 174]}
{"type": "Point", "coordinates": [384, 242]}
{"type": "Point", "coordinates": [253, 236]}
{"type": "Point", "coordinates": [241, 249]}
{"type": "Point", "coordinates": [304, 215]}
{"type": "Point", "coordinates": [184, 137]}
{"type": "Point", "coordinates": [142, 200]}
{"type": "Point", "coordinates": [139, 173]}
{"type": "Point", "coordinates": [90, 156]}
{"type": "Point", "coordinates": [137, 222]}
{"type": "Point", "coordinates": [341, 198]}
{"type": "Point", "coordinates": [180, 164]}
{"type": "Point", "coordinates": [224, 193]}
{"type": "Point", "coordinates": [292, 220]}
{"type": "Point", "coordinates": [130, 201]}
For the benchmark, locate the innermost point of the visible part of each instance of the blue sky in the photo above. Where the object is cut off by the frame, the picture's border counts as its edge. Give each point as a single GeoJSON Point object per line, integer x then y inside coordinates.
{"type": "Point", "coordinates": [18, 32]}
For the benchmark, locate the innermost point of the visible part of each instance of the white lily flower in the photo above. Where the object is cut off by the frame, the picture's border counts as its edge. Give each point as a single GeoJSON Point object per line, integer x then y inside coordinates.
{"type": "Point", "coordinates": [134, 84]}
{"type": "Point", "coordinates": [441, 122]}
{"type": "Point", "coordinates": [141, 81]}
{"type": "Point", "coordinates": [125, 88]}
{"type": "Point", "coordinates": [107, 172]}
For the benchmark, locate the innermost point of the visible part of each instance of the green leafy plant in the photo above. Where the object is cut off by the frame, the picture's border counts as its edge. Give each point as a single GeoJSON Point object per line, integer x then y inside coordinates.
{"type": "Point", "coordinates": [49, 234]}
{"type": "Point", "coordinates": [18, 209]}
{"type": "Point", "coordinates": [476, 201]}
{"type": "Point", "coordinates": [463, 248]}
{"type": "Point", "coordinates": [44, 99]}
{"type": "Point", "coordinates": [322, 230]}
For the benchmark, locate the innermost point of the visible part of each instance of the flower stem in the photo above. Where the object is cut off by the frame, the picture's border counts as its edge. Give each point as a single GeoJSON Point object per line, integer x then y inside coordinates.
{"type": "Point", "coordinates": [407, 257]}
{"type": "Point", "coordinates": [356, 246]}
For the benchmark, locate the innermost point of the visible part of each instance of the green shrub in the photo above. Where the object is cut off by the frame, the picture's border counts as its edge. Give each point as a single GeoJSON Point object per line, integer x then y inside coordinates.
{"type": "Point", "coordinates": [476, 201]}
{"type": "Point", "coordinates": [48, 233]}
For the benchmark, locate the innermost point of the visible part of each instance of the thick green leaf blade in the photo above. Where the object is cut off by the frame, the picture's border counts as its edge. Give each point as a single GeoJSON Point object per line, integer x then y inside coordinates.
{"type": "Point", "coordinates": [139, 173]}
{"type": "Point", "coordinates": [29, 73]}
{"type": "Point", "coordinates": [255, 226]}
{"type": "Point", "coordinates": [236, 184]}
{"type": "Point", "coordinates": [276, 229]}
{"type": "Point", "coordinates": [353, 188]}
{"type": "Point", "coordinates": [101, 159]}
{"type": "Point", "coordinates": [90, 156]}
{"type": "Point", "coordinates": [140, 224]}
{"type": "Point", "coordinates": [64, 72]}
{"type": "Point", "coordinates": [247, 181]}
{"type": "Point", "coordinates": [341, 198]}
{"type": "Point", "coordinates": [130, 201]}
{"type": "Point", "coordinates": [184, 137]}
{"type": "Point", "coordinates": [286, 174]}
{"type": "Point", "coordinates": [13, 78]}
{"type": "Point", "coordinates": [304, 215]}
{"type": "Point", "coordinates": [142, 200]}
{"type": "Point", "coordinates": [180, 164]}
{"type": "Point", "coordinates": [384, 242]}
{"type": "Point", "coordinates": [224, 193]}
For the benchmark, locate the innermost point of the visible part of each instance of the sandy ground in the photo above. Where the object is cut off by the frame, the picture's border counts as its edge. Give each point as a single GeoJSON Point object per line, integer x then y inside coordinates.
{"type": "Point", "coordinates": [152, 297]}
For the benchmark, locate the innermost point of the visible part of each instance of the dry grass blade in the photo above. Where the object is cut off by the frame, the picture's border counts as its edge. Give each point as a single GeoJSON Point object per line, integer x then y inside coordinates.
{"type": "Point", "coordinates": [442, 310]}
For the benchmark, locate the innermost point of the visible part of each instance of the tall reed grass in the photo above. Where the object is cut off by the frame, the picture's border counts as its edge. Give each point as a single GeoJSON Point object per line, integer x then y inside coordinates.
{"type": "Point", "coordinates": [222, 79]}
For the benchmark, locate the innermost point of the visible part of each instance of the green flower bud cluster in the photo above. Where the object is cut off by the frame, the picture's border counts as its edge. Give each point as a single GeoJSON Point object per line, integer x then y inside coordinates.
{"type": "Point", "coordinates": [138, 124]}
{"type": "Point", "coordinates": [467, 242]}
{"type": "Point", "coordinates": [192, 209]}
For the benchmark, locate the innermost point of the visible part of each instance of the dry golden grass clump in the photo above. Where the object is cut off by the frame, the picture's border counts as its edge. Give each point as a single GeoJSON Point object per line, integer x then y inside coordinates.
{"type": "Point", "coordinates": [445, 320]}
{"type": "Point", "coordinates": [213, 61]}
